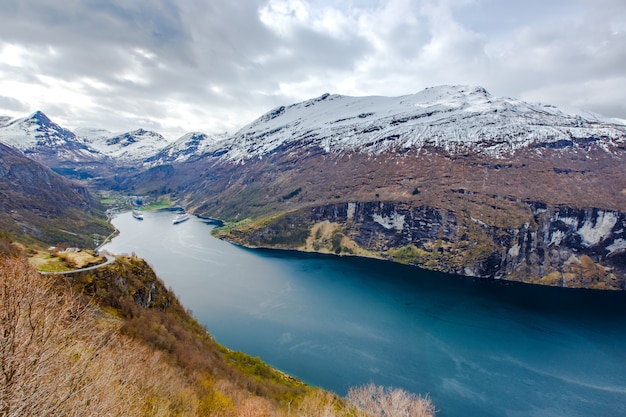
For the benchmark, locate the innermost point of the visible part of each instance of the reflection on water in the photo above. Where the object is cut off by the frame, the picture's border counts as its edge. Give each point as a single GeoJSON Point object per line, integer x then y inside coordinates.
{"type": "Point", "coordinates": [479, 348]}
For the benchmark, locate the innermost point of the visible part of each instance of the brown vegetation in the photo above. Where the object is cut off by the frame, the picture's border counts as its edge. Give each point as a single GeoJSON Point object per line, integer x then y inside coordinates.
{"type": "Point", "coordinates": [56, 358]}
{"type": "Point", "coordinates": [232, 192]}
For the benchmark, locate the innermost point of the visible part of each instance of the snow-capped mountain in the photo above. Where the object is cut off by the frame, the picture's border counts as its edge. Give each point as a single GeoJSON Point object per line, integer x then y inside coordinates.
{"type": "Point", "coordinates": [38, 136]}
{"type": "Point", "coordinates": [193, 144]}
{"type": "Point", "coordinates": [128, 147]}
{"type": "Point", "coordinates": [456, 119]}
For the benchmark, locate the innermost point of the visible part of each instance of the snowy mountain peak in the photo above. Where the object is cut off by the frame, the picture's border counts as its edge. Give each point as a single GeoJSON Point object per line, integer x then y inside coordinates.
{"type": "Point", "coordinates": [192, 144]}
{"type": "Point", "coordinates": [456, 119]}
{"type": "Point", "coordinates": [34, 131]}
{"type": "Point", "coordinates": [38, 135]}
{"type": "Point", "coordinates": [128, 138]}
{"type": "Point", "coordinates": [132, 146]}
{"type": "Point", "coordinates": [39, 118]}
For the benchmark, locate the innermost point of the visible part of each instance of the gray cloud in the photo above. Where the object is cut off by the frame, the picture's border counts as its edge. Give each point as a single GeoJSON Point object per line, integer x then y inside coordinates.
{"type": "Point", "coordinates": [196, 65]}
{"type": "Point", "coordinates": [13, 104]}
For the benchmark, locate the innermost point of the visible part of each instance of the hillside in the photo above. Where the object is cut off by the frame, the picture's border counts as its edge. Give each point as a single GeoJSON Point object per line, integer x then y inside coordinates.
{"type": "Point", "coordinates": [38, 205]}
{"type": "Point", "coordinates": [130, 349]}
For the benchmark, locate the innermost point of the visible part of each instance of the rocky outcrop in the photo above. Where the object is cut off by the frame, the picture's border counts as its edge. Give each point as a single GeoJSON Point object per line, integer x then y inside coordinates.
{"type": "Point", "coordinates": [127, 279]}
{"type": "Point", "coordinates": [512, 240]}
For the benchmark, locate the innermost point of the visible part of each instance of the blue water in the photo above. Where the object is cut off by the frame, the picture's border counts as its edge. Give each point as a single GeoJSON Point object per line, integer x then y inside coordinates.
{"type": "Point", "coordinates": [477, 347]}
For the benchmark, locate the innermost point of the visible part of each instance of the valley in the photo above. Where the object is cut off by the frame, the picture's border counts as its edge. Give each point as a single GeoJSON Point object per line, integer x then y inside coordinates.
{"type": "Point", "coordinates": [450, 178]}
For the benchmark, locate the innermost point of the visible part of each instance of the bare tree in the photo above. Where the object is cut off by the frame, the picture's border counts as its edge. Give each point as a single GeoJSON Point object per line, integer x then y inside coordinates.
{"type": "Point", "coordinates": [255, 407]}
{"type": "Point", "coordinates": [376, 401]}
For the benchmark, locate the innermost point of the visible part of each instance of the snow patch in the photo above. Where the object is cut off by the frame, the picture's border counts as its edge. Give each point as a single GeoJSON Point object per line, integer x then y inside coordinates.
{"type": "Point", "coordinates": [618, 246]}
{"type": "Point", "coordinates": [556, 238]}
{"type": "Point", "coordinates": [478, 221]}
{"type": "Point", "coordinates": [570, 221]}
{"type": "Point", "coordinates": [593, 233]}
{"type": "Point", "coordinates": [351, 210]}
{"type": "Point", "coordinates": [395, 221]}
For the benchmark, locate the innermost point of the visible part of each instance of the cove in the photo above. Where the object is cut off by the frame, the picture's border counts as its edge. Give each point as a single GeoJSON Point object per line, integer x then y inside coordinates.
{"type": "Point", "coordinates": [477, 347]}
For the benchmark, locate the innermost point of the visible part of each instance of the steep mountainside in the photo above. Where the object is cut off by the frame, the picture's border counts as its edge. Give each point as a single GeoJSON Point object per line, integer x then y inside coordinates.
{"type": "Point", "coordinates": [492, 167]}
{"type": "Point", "coordinates": [43, 206]}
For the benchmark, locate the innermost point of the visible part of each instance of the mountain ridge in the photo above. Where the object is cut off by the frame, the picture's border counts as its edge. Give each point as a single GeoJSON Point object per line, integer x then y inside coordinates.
{"type": "Point", "coordinates": [457, 119]}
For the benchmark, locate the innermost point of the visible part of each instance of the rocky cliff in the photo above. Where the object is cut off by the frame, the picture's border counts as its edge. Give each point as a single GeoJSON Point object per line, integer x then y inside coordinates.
{"type": "Point", "coordinates": [513, 240]}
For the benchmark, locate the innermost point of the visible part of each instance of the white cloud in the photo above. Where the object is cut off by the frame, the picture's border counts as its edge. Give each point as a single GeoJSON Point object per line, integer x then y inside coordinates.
{"type": "Point", "coordinates": [215, 66]}
{"type": "Point", "coordinates": [282, 15]}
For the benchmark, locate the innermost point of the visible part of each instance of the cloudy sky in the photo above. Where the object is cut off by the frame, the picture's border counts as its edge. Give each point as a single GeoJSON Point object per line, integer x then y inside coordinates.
{"type": "Point", "coordinates": [176, 66]}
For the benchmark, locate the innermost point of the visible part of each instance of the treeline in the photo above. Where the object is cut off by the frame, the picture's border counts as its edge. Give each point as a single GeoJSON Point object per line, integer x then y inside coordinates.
{"type": "Point", "coordinates": [115, 342]}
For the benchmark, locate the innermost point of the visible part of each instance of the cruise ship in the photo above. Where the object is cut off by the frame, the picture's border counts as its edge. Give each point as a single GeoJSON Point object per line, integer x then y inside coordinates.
{"type": "Point", "coordinates": [180, 218]}
{"type": "Point", "coordinates": [137, 214]}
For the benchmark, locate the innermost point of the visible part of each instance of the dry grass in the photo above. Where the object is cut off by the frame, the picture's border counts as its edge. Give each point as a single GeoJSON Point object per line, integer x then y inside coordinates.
{"type": "Point", "coordinates": [58, 262]}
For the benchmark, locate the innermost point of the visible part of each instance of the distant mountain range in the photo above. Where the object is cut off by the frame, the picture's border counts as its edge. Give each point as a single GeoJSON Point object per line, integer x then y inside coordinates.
{"type": "Point", "coordinates": [451, 178]}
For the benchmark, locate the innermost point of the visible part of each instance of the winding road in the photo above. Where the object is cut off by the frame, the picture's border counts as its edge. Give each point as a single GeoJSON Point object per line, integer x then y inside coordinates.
{"type": "Point", "coordinates": [109, 261]}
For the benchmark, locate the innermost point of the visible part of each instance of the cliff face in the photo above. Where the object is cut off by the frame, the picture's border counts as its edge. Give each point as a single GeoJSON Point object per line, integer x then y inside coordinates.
{"type": "Point", "coordinates": [512, 240]}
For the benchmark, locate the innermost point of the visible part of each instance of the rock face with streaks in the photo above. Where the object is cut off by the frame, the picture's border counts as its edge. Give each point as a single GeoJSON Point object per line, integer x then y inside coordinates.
{"type": "Point", "coordinates": [544, 245]}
